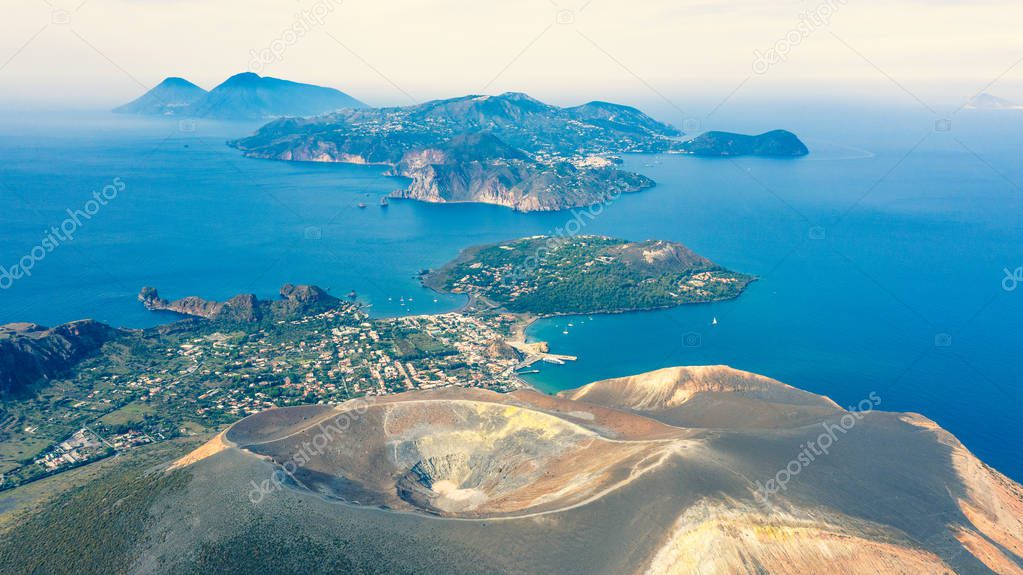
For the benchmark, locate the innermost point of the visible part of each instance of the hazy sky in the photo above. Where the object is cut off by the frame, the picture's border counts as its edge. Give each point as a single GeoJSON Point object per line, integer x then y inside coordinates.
{"type": "Point", "coordinates": [103, 52]}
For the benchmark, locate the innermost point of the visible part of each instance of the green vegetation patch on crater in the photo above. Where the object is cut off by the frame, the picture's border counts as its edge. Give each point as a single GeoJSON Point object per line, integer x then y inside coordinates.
{"type": "Point", "coordinates": [586, 274]}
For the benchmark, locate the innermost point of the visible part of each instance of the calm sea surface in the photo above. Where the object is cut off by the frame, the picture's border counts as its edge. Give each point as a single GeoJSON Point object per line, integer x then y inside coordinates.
{"type": "Point", "coordinates": [881, 257]}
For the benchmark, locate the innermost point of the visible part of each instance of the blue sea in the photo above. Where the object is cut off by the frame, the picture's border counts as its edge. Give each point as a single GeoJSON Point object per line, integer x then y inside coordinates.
{"type": "Point", "coordinates": [886, 259]}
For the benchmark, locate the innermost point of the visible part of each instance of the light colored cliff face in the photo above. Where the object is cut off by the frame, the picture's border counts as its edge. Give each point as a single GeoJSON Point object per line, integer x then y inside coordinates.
{"type": "Point", "coordinates": [734, 539]}
{"type": "Point", "coordinates": [499, 184]}
{"type": "Point", "coordinates": [525, 187]}
{"type": "Point", "coordinates": [424, 184]}
{"type": "Point", "coordinates": [516, 183]}
{"type": "Point", "coordinates": [423, 158]}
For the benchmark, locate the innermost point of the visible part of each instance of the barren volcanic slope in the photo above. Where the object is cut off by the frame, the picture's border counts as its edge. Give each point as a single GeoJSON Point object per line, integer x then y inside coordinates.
{"type": "Point", "coordinates": [681, 470]}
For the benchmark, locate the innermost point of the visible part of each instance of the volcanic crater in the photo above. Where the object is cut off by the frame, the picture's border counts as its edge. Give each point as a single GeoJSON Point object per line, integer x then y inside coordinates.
{"type": "Point", "coordinates": [470, 457]}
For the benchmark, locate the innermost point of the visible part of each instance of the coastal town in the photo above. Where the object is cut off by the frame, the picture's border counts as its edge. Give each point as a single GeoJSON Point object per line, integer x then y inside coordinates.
{"type": "Point", "coordinates": [197, 376]}
{"type": "Point", "coordinates": [243, 356]}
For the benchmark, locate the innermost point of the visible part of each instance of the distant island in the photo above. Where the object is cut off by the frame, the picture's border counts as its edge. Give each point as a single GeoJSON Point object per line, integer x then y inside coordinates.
{"type": "Point", "coordinates": [776, 143]}
{"type": "Point", "coordinates": [510, 150]}
{"type": "Point", "coordinates": [987, 101]}
{"type": "Point", "coordinates": [172, 97]}
{"type": "Point", "coordinates": [244, 96]}
{"type": "Point", "coordinates": [586, 274]}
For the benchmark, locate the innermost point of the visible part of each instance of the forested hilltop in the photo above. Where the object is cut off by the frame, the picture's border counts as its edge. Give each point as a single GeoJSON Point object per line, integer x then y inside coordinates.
{"type": "Point", "coordinates": [586, 274]}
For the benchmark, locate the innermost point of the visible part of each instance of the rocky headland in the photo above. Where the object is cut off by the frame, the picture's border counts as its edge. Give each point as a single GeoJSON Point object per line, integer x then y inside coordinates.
{"type": "Point", "coordinates": [296, 301]}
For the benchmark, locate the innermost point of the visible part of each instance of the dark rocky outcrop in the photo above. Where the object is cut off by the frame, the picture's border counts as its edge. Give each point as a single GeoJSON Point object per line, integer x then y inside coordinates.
{"type": "Point", "coordinates": [296, 301]}
{"type": "Point", "coordinates": [30, 353]}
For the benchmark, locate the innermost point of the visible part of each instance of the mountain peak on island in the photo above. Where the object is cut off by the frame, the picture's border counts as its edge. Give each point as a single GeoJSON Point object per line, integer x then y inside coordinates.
{"type": "Point", "coordinates": [170, 97]}
{"type": "Point", "coordinates": [176, 81]}
{"type": "Point", "coordinates": [243, 96]}
{"type": "Point", "coordinates": [621, 116]}
{"type": "Point", "coordinates": [242, 77]}
{"type": "Point", "coordinates": [250, 96]}
{"type": "Point", "coordinates": [520, 97]}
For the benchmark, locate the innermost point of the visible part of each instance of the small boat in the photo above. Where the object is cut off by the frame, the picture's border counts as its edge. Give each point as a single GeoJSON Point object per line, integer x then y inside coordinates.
{"type": "Point", "coordinates": [565, 332]}
{"type": "Point", "coordinates": [383, 202]}
{"type": "Point", "coordinates": [352, 294]}
{"type": "Point", "coordinates": [714, 321]}
{"type": "Point", "coordinates": [362, 206]}
{"type": "Point", "coordinates": [571, 325]}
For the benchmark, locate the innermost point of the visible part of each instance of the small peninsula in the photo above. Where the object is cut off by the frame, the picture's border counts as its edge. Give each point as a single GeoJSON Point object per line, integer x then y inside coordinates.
{"type": "Point", "coordinates": [295, 301]}
{"type": "Point", "coordinates": [545, 275]}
